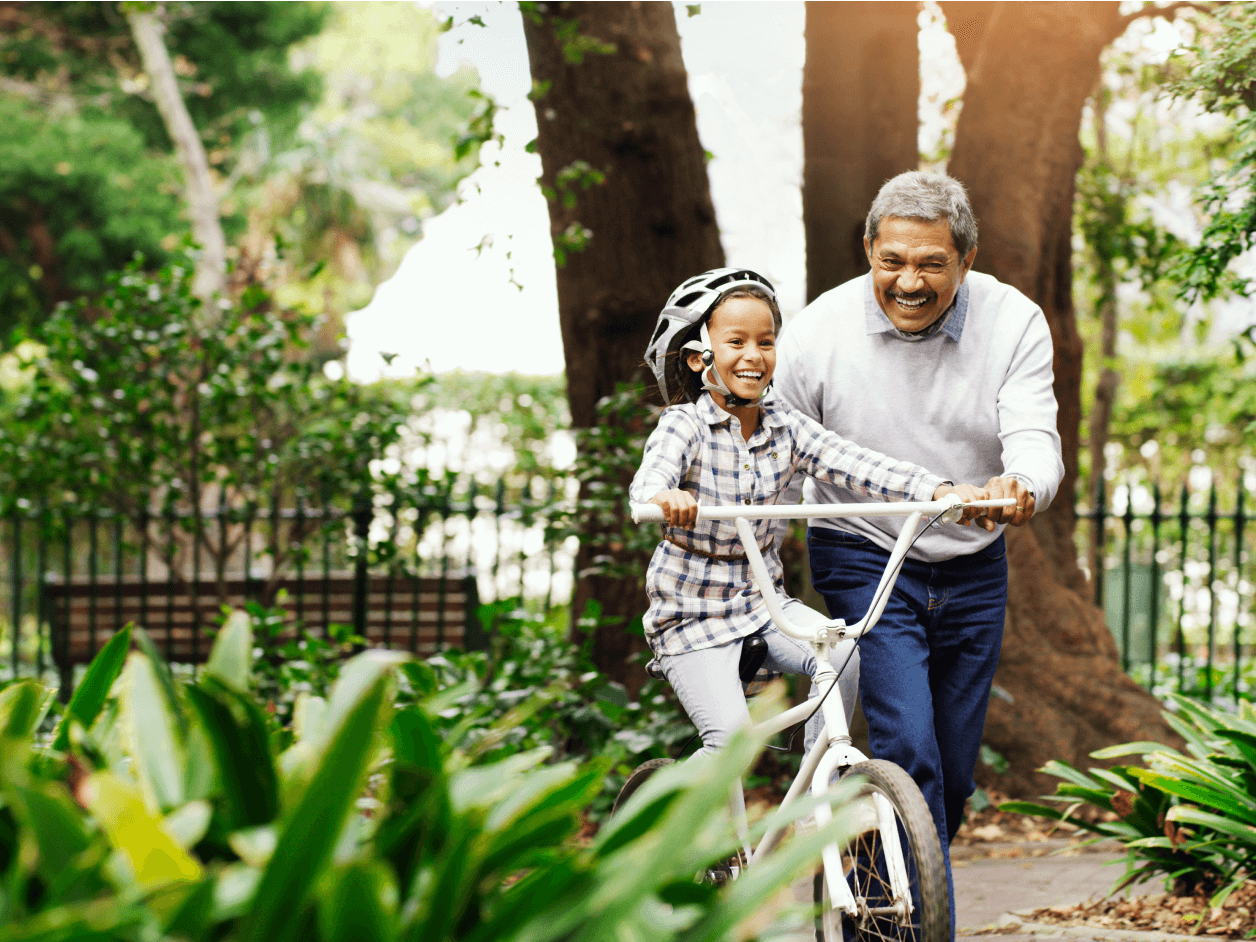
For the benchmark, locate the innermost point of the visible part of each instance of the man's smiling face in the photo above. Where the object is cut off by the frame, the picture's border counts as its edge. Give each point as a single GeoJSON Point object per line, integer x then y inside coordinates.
{"type": "Point", "coordinates": [916, 270]}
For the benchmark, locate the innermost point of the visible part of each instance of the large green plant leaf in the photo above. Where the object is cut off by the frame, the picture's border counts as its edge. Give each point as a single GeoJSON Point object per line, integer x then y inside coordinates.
{"type": "Point", "coordinates": [358, 904]}
{"type": "Point", "coordinates": [22, 707]}
{"type": "Point", "coordinates": [231, 657]}
{"type": "Point", "coordinates": [90, 695]}
{"type": "Point", "coordinates": [239, 739]}
{"type": "Point", "coordinates": [312, 828]}
{"type": "Point", "coordinates": [155, 857]}
{"type": "Point", "coordinates": [152, 738]}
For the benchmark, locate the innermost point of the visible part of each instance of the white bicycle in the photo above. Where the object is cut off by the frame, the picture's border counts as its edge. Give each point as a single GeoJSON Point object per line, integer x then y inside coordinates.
{"type": "Point", "coordinates": [888, 878]}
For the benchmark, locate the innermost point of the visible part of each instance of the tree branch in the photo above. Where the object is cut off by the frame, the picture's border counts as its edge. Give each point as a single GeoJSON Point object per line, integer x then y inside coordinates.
{"type": "Point", "coordinates": [198, 184]}
{"type": "Point", "coordinates": [1169, 11]}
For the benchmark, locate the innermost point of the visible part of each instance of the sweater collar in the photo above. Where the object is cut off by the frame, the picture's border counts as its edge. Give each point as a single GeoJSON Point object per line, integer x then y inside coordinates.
{"type": "Point", "coordinates": [951, 323]}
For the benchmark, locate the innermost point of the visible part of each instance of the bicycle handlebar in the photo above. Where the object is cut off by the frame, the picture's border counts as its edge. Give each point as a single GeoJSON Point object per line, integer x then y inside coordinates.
{"type": "Point", "coordinates": [653, 513]}
{"type": "Point", "coordinates": [950, 506]}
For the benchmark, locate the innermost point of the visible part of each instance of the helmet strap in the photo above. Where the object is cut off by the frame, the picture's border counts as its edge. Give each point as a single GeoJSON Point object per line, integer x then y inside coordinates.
{"type": "Point", "coordinates": [709, 372]}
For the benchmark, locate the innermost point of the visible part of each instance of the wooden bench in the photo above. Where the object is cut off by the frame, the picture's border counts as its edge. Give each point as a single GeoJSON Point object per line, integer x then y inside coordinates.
{"type": "Point", "coordinates": [419, 614]}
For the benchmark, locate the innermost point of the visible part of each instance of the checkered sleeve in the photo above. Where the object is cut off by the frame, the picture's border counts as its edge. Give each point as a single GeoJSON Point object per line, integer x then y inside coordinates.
{"type": "Point", "coordinates": [668, 453]}
{"type": "Point", "coordinates": [826, 455]}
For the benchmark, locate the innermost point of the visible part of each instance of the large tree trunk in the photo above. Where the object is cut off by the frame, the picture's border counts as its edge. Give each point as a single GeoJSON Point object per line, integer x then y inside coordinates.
{"type": "Point", "coordinates": [198, 183]}
{"type": "Point", "coordinates": [860, 88]}
{"type": "Point", "coordinates": [1031, 67]}
{"type": "Point", "coordinates": [612, 98]}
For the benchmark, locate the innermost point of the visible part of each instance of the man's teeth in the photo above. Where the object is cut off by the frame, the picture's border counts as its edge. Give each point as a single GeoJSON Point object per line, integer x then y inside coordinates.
{"type": "Point", "coordinates": [910, 303]}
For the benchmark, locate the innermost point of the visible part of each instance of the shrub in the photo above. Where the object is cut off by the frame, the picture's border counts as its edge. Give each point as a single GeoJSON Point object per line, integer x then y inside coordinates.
{"type": "Point", "coordinates": [164, 808]}
{"type": "Point", "coordinates": [1191, 818]}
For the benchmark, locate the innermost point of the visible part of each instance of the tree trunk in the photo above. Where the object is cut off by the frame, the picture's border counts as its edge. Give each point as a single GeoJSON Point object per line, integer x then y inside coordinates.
{"type": "Point", "coordinates": [631, 217]}
{"type": "Point", "coordinates": [198, 184]}
{"type": "Point", "coordinates": [1030, 68]}
{"type": "Point", "coordinates": [857, 54]}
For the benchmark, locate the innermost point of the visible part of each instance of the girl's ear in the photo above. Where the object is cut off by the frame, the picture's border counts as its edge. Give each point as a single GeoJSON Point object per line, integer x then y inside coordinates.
{"type": "Point", "coordinates": [695, 361]}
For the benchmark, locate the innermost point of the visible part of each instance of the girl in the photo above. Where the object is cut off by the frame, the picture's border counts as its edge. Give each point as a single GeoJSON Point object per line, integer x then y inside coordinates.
{"type": "Point", "coordinates": [721, 442]}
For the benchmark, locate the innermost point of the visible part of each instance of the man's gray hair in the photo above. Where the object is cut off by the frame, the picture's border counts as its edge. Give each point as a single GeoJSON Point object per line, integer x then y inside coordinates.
{"type": "Point", "coordinates": [918, 194]}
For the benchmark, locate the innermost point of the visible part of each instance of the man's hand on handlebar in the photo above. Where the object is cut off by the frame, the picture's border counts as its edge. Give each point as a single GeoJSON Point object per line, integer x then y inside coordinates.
{"type": "Point", "coordinates": [966, 493]}
{"type": "Point", "coordinates": [679, 508]}
{"type": "Point", "coordinates": [1016, 516]}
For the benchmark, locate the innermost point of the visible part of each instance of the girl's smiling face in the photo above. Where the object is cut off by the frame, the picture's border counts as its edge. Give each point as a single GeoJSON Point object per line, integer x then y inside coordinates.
{"type": "Point", "coordinates": [743, 339]}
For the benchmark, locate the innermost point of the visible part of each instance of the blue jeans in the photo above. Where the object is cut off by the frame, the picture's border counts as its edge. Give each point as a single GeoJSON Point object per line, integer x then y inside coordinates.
{"type": "Point", "coordinates": [927, 667]}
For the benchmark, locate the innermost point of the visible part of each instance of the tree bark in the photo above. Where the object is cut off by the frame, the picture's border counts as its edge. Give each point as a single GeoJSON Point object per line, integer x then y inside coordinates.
{"type": "Point", "coordinates": [622, 168]}
{"type": "Point", "coordinates": [198, 184]}
{"type": "Point", "coordinates": [1030, 68]}
{"type": "Point", "coordinates": [860, 93]}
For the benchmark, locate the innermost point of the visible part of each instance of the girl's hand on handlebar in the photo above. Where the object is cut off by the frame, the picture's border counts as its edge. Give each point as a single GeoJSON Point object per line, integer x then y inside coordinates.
{"type": "Point", "coordinates": [679, 508]}
{"type": "Point", "coordinates": [966, 493]}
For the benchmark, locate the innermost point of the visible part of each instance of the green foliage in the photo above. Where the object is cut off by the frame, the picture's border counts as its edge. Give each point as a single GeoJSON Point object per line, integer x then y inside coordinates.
{"type": "Point", "coordinates": [174, 813]}
{"type": "Point", "coordinates": [146, 402]}
{"type": "Point", "coordinates": [86, 177]}
{"type": "Point", "coordinates": [1219, 71]}
{"type": "Point", "coordinates": [79, 195]}
{"type": "Point", "coordinates": [1188, 817]}
{"type": "Point", "coordinates": [543, 691]}
{"type": "Point", "coordinates": [609, 454]}
{"type": "Point", "coordinates": [384, 148]}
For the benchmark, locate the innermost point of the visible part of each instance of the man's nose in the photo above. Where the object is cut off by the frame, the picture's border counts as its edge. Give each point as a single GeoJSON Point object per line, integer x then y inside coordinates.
{"type": "Point", "coordinates": [910, 280]}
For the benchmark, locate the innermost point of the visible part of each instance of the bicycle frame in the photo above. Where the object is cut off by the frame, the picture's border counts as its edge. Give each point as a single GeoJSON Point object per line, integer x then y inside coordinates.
{"type": "Point", "coordinates": [833, 749]}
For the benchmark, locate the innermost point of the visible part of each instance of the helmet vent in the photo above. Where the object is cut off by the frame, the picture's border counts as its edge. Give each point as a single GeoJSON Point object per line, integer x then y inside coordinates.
{"type": "Point", "coordinates": [688, 299]}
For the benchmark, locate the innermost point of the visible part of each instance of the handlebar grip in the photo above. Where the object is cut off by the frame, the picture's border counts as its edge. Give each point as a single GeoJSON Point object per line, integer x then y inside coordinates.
{"type": "Point", "coordinates": [648, 513]}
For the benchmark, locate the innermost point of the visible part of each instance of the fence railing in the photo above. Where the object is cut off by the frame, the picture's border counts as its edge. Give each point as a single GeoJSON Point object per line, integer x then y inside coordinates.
{"type": "Point", "coordinates": [1176, 585]}
{"type": "Point", "coordinates": [325, 565]}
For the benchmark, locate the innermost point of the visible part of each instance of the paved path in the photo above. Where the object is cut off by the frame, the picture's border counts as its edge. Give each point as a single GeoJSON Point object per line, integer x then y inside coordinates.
{"type": "Point", "coordinates": [988, 887]}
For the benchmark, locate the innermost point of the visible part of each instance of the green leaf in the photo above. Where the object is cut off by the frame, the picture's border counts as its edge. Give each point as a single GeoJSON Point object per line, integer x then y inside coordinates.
{"type": "Point", "coordinates": [22, 706]}
{"type": "Point", "coordinates": [312, 828]}
{"type": "Point", "coordinates": [231, 658]}
{"type": "Point", "coordinates": [359, 903]}
{"type": "Point", "coordinates": [152, 740]}
{"type": "Point", "coordinates": [1130, 749]}
{"type": "Point", "coordinates": [90, 695]}
{"type": "Point", "coordinates": [56, 824]}
{"type": "Point", "coordinates": [187, 825]}
{"type": "Point", "coordinates": [155, 858]}
{"type": "Point", "coordinates": [238, 735]}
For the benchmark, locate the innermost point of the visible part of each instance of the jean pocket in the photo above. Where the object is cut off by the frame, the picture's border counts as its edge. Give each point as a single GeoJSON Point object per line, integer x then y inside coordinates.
{"type": "Point", "coordinates": [828, 536]}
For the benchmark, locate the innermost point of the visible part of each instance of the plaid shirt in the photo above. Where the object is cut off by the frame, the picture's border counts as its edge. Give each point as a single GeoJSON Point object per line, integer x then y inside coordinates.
{"type": "Point", "coordinates": [697, 602]}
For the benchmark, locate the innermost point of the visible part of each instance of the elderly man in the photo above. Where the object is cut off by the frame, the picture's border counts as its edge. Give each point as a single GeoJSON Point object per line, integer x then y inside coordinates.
{"type": "Point", "coordinates": [931, 362]}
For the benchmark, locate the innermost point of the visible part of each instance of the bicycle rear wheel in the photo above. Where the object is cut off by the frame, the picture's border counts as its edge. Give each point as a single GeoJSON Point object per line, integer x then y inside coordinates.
{"type": "Point", "coordinates": [881, 915]}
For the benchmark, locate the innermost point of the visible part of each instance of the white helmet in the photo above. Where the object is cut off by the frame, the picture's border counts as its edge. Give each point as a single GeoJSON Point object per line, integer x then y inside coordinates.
{"type": "Point", "coordinates": [689, 306]}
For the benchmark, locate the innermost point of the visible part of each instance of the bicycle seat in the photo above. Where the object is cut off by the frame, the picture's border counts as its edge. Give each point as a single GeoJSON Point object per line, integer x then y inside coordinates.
{"type": "Point", "coordinates": [754, 651]}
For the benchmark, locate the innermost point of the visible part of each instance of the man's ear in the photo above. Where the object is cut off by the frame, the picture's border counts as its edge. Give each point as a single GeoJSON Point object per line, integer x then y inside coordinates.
{"type": "Point", "coordinates": [967, 263]}
{"type": "Point", "coordinates": [695, 361]}
{"type": "Point", "coordinates": [868, 249]}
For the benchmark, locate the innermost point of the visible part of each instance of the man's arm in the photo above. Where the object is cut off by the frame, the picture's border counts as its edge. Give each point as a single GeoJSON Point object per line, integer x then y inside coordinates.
{"type": "Point", "coordinates": [1032, 465]}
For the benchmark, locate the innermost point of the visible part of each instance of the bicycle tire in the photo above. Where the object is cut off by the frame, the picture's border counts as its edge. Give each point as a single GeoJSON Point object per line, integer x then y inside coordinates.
{"type": "Point", "coordinates": [636, 779]}
{"type": "Point", "coordinates": [862, 861]}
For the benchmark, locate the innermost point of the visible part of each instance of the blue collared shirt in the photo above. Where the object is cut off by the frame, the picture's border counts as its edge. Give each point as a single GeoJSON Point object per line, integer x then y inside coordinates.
{"type": "Point", "coordinates": [950, 323]}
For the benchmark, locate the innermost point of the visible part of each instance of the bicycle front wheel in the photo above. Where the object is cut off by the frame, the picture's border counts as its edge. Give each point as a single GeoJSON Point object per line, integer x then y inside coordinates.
{"type": "Point", "coordinates": [883, 913]}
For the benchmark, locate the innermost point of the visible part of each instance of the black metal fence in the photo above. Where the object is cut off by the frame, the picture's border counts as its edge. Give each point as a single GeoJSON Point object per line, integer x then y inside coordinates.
{"type": "Point", "coordinates": [1176, 582]}
{"type": "Point", "coordinates": [1176, 585]}
{"type": "Point", "coordinates": [440, 550]}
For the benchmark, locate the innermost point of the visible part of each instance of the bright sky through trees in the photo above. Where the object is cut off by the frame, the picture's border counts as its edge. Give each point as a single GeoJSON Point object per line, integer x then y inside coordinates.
{"type": "Point", "coordinates": [477, 292]}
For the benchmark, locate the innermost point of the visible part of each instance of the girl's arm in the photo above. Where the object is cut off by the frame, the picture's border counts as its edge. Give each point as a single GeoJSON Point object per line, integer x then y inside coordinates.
{"type": "Point", "coordinates": [826, 455]}
{"type": "Point", "coordinates": [669, 452]}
